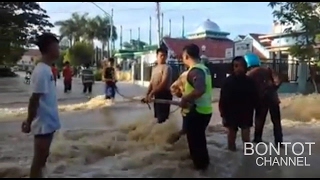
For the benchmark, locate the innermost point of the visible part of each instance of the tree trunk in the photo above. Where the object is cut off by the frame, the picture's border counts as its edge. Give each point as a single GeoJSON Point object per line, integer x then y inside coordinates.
{"type": "Point", "coordinates": [103, 49]}
{"type": "Point", "coordinates": [108, 45]}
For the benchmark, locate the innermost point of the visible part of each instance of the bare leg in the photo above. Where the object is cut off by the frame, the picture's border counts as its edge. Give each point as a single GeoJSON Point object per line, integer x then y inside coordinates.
{"type": "Point", "coordinates": [41, 152]}
{"type": "Point", "coordinates": [245, 134]}
{"type": "Point", "coordinates": [232, 135]}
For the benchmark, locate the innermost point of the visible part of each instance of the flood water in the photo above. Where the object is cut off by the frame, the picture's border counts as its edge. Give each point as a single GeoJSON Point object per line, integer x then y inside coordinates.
{"type": "Point", "coordinates": [122, 140]}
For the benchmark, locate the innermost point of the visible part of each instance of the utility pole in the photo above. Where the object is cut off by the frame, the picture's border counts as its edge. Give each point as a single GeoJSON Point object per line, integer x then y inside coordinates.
{"type": "Point", "coordinates": [158, 22]}
{"type": "Point", "coordinates": [111, 34]}
{"type": "Point", "coordinates": [138, 38]}
{"type": "Point", "coordinates": [120, 37]}
{"type": "Point", "coordinates": [162, 17]}
{"type": "Point", "coordinates": [130, 35]}
{"type": "Point", "coordinates": [150, 29]}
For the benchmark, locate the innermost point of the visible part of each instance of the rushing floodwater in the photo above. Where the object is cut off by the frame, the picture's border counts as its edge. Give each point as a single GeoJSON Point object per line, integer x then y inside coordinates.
{"type": "Point", "coordinates": [122, 140]}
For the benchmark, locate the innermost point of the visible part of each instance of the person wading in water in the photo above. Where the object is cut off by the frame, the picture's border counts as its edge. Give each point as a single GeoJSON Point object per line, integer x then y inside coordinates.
{"type": "Point", "coordinates": [109, 77]}
{"type": "Point", "coordinates": [87, 79]}
{"type": "Point", "coordinates": [267, 83]}
{"type": "Point", "coordinates": [67, 74]}
{"type": "Point", "coordinates": [238, 99]}
{"type": "Point", "coordinates": [159, 87]}
{"type": "Point", "coordinates": [43, 115]}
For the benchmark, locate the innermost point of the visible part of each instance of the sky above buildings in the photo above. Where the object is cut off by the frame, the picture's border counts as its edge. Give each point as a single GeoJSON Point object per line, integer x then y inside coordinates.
{"type": "Point", "coordinates": [233, 17]}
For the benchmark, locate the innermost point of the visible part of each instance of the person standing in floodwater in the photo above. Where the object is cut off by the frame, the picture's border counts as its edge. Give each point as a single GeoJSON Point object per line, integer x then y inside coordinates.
{"type": "Point", "coordinates": [267, 82]}
{"type": "Point", "coordinates": [109, 77]}
{"type": "Point", "coordinates": [159, 87]}
{"type": "Point", "coordinates": [67, 75]}
{"type": "Point", "coordinates": [43, 115]}
{"type": "Point", "coordinates": [87, 79]}
{"type": "Point", "coordinates": [196, 104]}
{"type": "Point", "coordinates": [238, 99]}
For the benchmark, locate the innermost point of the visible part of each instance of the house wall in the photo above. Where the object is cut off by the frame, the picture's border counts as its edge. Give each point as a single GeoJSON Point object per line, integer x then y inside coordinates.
{"type": "Point", "coordinates": [26, 60]}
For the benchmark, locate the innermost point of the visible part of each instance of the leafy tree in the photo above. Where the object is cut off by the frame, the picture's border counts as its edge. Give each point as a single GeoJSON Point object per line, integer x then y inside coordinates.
{"type": "Point", "coordinates": [59, 62]}
{"type": "Point", "coordinates": [82, 27]}
{"type": "Point", "coordinates": [20, 22]}
{"type": "Point", "coordinates": [80, 53]}
{"type": "Point", "coordinates": [103, 32]}
{"type": "Point", "coordinates": [73, 28]}
{"type": "Point", "coordinates": [67, 56]}
{"type": "Point", "coordinates": [306, 15]}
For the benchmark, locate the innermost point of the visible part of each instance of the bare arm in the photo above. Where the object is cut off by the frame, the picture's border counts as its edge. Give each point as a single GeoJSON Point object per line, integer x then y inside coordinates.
{"type": "Point", "coordinates": [166, 75]}
{"type": "Point", "coordinates": [276, 79]}
{"type": "Point", "coordinates": [33, 106]}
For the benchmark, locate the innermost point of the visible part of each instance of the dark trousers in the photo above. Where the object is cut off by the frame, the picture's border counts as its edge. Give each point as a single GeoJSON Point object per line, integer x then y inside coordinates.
{"type": "Point", "coordinates": [260, 119]}
{"type": "Point", "coordinates": [67, 85]}
{"type": "Point", "coordinates": [162, 111]}
{"type": "Point", "coordinates": [195, 126]}
{"type": "Point", "coordinates": [87, 87]}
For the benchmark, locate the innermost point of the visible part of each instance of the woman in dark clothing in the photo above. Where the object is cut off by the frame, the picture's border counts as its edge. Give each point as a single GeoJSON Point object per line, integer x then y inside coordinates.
{"type": "Point", "coordinates": [238, 98]}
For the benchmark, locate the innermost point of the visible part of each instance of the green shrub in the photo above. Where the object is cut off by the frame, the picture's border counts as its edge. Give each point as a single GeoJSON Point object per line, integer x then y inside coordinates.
{"type": "Point", "coordinates": [98, 75]}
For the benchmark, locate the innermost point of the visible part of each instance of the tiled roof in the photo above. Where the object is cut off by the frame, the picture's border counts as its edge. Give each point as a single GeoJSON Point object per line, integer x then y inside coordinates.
{"type": "Point", "coordinates": [32, 52]}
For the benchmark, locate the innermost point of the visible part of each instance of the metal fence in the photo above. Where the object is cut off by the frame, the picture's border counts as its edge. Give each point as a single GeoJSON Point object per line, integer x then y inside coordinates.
{"type": "Point", "coordinates": [287, 70]}
{"type": "Point", "coordinates": [177, 69]}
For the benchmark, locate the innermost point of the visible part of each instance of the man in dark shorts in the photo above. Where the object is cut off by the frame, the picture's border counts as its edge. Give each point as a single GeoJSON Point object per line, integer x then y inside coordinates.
{"type": "Point", "coordinates": [196, 104]}
{"type": "Point", "coordinates": [43, 116]}
{"type": "Point", "coordinates": [238, 99]}
{"type": "Point", "coordinates": [159, 87]}
{"type": "Point", "coordinates": [267, 82]}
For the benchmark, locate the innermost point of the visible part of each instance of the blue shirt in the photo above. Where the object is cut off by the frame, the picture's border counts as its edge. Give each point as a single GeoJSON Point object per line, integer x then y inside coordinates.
{"type": "Point", "coordinates": [42, 82]}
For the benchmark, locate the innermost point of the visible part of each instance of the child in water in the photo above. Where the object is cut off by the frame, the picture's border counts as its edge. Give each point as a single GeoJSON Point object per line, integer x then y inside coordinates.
{"type": "Point", "coordinates": [238, 99]}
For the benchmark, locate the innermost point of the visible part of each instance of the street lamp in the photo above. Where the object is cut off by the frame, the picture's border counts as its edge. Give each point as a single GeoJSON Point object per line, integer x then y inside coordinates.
{"type": "Point", "coordinates": [111, 26]}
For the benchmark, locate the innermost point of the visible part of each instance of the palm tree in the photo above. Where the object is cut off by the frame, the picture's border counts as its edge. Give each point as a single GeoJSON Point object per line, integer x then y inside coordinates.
{"type": "Point", "coordinates": [103, 31]}
{"type": "Point", "coordinates": [81, 27]}
{"type": "Point", "coordinates": [73, 28]}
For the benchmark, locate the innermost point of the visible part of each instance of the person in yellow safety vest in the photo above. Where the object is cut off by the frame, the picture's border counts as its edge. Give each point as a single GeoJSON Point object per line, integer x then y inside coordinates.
{"type": "Point", "coordinates": [196, 105]}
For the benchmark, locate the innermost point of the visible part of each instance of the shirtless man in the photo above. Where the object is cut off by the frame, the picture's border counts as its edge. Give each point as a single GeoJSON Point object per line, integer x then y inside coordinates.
{"type": "Point", "coordinates": [159, 87]}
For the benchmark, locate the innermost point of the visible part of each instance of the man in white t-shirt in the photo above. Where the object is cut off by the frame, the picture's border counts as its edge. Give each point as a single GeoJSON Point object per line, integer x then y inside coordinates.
{"type": "Point", "coordinates": [43, 117]}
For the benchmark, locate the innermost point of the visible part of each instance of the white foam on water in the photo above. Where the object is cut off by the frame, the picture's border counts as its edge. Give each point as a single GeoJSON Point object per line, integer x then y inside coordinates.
{"type": "Point", "coordinates": [135, 146]}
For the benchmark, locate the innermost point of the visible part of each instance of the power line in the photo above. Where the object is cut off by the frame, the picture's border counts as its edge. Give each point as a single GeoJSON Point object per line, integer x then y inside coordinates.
{"type": "Point", "coordinates": [174, 9]}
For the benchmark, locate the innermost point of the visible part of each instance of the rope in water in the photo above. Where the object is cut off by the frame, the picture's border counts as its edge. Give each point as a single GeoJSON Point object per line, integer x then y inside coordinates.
{"type": "Point", "coordinates": [134, 99]}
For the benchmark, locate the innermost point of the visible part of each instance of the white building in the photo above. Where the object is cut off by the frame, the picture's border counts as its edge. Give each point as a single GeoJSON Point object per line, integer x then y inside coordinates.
{"type": "Point", "coordinates": [28, 59]}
